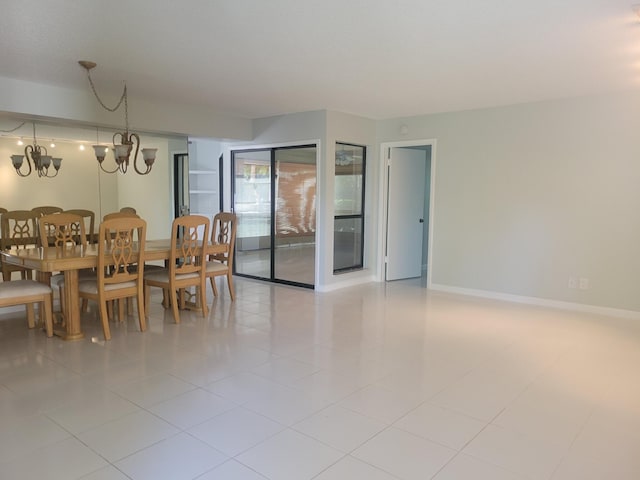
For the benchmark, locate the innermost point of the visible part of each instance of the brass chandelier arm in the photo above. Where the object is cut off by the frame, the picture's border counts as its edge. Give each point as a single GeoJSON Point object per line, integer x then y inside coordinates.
{"type": "Point", "coordinates": [39, 156]}
{"type": "Point", "coordinates": [107, 171]}
{"type": "Point", "coordinates": [19, 169]}
{"type": "Point", "coordinates": [135, 158]}
{"type": "Point", "coordinates": [135, 166]}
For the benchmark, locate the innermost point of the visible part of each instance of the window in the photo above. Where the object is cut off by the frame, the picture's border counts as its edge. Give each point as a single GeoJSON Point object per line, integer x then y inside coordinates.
{"type": "Point", "coordinates": [348, 239]}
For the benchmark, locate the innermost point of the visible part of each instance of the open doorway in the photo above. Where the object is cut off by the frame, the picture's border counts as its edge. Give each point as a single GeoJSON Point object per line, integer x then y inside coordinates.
{"type": "Point", "coordinates": [408, 178]}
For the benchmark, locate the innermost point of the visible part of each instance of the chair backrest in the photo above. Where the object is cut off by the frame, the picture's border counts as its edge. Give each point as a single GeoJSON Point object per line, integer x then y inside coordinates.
{"type": "Point", "coordinates": [224, 231]}
{"type": "Point", "coordinates": [112, 215]}
{"type": "Point", "coordinates": [18, 229]}
{"type": "Point", "coordinates": [89, 222]}
{"type": "Point", "coordinates": [128, 210]}
{"type": "Point", "coordinates": [46, 210]}
{"type": "Point", "coordinates": [61, 230]}
{"type": "Point", "coordinates": [121, 253]}
{"type": "Point", "coordinates": [2, 210]}
{"type": "Point", "coordinates": [186, 248]}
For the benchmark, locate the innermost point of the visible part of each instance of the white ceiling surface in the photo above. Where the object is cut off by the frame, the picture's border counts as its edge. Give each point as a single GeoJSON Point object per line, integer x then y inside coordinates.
{"type": "Point", "coordinates": [375, 58]}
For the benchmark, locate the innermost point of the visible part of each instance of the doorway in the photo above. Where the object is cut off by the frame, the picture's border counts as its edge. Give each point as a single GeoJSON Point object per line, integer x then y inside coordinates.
{"type": "Point", "coordinates": [180, 184]}
{"type": "Point", "coordinates": [274, 197]}
{"type": "Point", "coordinates": [408, 179]}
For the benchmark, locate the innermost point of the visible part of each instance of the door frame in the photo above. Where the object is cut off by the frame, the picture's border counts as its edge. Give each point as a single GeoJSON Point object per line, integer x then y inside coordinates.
{"type": "Point", "coordinates": [385, 150]}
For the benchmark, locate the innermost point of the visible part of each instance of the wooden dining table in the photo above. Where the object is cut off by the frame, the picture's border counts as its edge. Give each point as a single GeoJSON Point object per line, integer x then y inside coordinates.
{"type": "Point", "coordinates": [70, 260]}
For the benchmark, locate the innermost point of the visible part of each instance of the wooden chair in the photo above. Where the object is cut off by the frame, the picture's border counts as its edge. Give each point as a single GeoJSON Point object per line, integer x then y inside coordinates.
{"type": "Point", "coordinates": [46, 210]}
{"type": "Point", "coordinates": [128, 212]}
{"type": "Point", "coordinates": [18, 230]}
{"type": "Point", "coordinates": [131, 212]}
{"type": "Point", "coordinates": [121, 214]}
{"type": "Point", "coordinates": [29, 292]}
{"type": "Point", "coordinates": [89, 218]}
{"type": "Point", "coordinates": [61, 230]}
{"type": "Point", "coordinates": [223, 231]}
{"type": "Point", "coordinates": [58, 231]}
{"type": "Point", "coordinates": [186, 264]}
{"type": "Point", "coordinates": [120, 268]}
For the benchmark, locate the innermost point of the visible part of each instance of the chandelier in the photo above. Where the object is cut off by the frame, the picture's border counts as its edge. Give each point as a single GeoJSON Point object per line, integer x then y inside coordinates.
{"type": "Point", "coordinates": [38, 155]}
{"type": "Point", "coordinates": [126, 141]}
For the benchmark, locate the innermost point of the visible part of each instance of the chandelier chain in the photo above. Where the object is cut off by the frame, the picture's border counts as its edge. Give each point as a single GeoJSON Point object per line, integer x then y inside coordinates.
{"type": "Point", "coordinates": [123, 98]}
{"type": "Point", "coordinates": [13, 129]}
{"type": "Point", "coordinates": [35, 142]}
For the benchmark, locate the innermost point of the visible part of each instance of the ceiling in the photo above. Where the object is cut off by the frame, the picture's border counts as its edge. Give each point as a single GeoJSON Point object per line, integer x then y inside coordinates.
{"type": "Point", "coordinates": [379, 59]}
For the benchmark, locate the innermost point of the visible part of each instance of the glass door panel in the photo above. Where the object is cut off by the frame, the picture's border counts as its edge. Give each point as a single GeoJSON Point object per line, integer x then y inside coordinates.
{"type": "Point", "coordinates": [252, 205]}
{"type": "Point", "coordinates": [295, 215]}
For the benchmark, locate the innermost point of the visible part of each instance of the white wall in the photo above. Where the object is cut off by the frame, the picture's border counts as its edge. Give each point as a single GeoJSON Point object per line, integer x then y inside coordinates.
{"type": "Point", "coordinates": [39, 100]}
{"type": "Point", "coordinates": [342, 127]}
{"type": "Point", "coordinates": [528, 195]}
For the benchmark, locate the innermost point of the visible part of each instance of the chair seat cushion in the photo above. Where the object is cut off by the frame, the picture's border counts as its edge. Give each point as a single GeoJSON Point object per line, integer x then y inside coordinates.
{"type": "Point", "coordinates": [57, 280]}
{"type": "Point", "coordinates": [91, 286]}
{"type": "Point", "coordinates": [162, 276]}
{"type": "Point", "coordinates": [150, 266]}
{"type": "Point", "coordinates": [20, 288]}
{"type": "Point", "coordinates": [216, 267]}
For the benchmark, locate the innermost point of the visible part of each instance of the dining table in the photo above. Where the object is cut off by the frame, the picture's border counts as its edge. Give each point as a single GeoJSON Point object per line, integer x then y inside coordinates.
{"type": "Point", "coordinates": [70, 260]}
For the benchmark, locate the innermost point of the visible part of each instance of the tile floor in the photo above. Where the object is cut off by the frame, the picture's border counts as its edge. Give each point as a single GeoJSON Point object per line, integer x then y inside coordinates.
{"type": "Point", "coordinates": [378, 382]}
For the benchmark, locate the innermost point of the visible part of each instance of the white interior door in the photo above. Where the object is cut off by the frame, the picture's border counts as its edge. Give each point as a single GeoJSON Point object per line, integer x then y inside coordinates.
{"type": "Point", "coordinates": [405, 214]}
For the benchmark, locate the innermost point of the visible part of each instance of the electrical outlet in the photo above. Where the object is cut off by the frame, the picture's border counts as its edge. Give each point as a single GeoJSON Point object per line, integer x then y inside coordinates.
{"type": "Point", "coordinates": [573, 282]}
{"type": "Point", "coordinates": [583, 283]}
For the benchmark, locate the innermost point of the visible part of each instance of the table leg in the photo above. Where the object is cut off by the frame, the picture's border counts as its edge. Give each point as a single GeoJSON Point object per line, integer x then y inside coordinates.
{"type": "Point", "coordinates": [72, 307]}
{"type": "Point", "coordinates": [42, 277]}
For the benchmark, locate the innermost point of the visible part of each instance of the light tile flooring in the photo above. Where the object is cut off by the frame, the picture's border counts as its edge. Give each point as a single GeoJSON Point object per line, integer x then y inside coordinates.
{"type": "Point", "coordinates": [378, 382]}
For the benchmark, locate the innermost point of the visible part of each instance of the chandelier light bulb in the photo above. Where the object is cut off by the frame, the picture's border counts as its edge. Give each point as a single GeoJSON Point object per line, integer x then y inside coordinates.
{"type": "Point", "coordinates": [53, 145]}
{"type": "Point", "coordinates": [20, 142]}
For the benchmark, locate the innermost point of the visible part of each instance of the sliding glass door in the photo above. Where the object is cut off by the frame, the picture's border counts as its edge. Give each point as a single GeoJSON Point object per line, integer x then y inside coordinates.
{"type": "Point", "coordinates": [252, 205]}
{"type": "Point", "coordinates": [295, 215]}
{"type": "Point", "coordinates": [274, 196]}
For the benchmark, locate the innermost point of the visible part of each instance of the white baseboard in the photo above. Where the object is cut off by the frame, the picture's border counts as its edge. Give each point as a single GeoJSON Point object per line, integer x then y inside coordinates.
{"type": "Point", "coordinates": [350, 282]}
{"type": "Point", "coordinates": [542, 302]}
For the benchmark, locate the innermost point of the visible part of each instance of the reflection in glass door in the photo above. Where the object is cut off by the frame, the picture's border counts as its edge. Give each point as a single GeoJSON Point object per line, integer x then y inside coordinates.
{"type": "Point", "coordinates": [274, 196]}
{"type": "Point", "coordinates": [295, 215]}
{"type": "Point", "coordinates": [252, 205]}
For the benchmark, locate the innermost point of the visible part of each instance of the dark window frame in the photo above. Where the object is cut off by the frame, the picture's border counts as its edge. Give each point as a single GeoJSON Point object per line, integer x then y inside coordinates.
{"type": "Point", "coordinates": [358, 265]}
